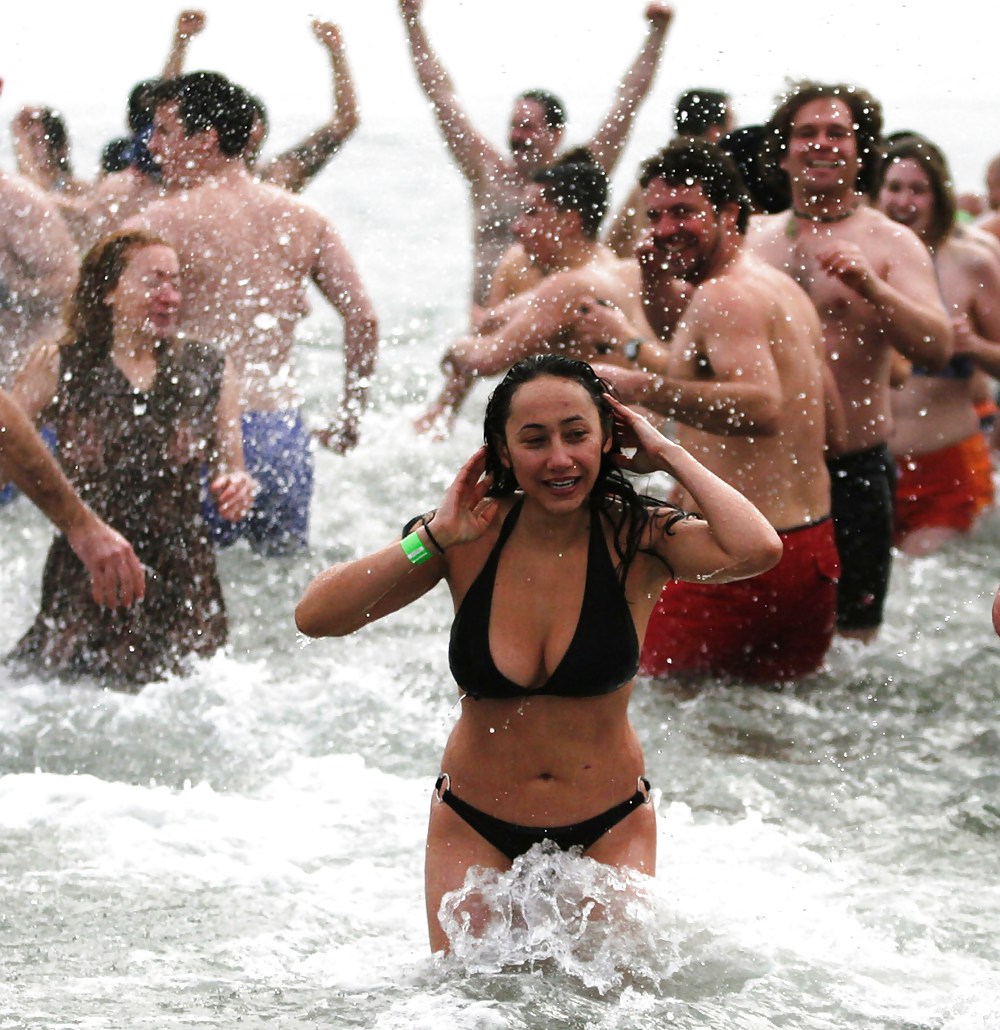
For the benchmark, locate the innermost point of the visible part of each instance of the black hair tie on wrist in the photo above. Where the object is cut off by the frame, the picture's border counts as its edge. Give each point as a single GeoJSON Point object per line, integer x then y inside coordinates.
{"type": "Point", "coordinates": [430, 536]}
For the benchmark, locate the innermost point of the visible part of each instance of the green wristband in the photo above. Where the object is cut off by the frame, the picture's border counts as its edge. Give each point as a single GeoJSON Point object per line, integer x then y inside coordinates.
{"type": "Point", "coordinates": [414, 549]}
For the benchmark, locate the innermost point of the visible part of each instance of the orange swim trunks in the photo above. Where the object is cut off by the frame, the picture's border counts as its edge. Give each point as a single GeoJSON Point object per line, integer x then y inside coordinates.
{"type": "Point", "coordinates": [776, 626]}
{"type": "Point", "coordinates": [939, 489]}
{"type": "Point", "coordinates": [977, 452]}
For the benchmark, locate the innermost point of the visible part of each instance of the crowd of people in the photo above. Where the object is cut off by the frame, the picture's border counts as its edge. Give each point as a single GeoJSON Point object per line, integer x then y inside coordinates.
{"type": "Point", "coordinates": [790, 320]}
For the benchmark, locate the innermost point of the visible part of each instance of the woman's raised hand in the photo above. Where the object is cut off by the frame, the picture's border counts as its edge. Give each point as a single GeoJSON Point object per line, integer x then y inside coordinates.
{"type": "Point", "coordinates": [466, 511]}
{"type": "Point", "coordinates": [635, 431]}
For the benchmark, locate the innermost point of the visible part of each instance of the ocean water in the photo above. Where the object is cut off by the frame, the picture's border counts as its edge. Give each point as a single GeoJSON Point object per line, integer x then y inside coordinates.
{"type": "Point", "coordinates": [244, 846]}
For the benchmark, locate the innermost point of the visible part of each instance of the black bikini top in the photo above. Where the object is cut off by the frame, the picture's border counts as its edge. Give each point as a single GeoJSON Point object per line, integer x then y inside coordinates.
{"type": "Point", "coordinates": [960, 366]}
{"type": "Point", "coordinates": [602, 656]}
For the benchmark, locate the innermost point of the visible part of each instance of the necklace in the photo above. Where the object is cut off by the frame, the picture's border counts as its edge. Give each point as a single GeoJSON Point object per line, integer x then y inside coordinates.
{"type": "Point", "coordinates": [792, 226]}
{"type": "Point", "coordinates": [824, 219]}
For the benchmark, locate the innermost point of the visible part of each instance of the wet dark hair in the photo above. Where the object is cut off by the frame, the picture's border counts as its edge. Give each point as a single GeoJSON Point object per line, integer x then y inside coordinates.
{"type": "Point", "coordinates": [912, 146]}
{"type": "Point", "coordinates": [116, 155]}
{"type": "Point", "coordinates": [259, 110]}
{"type": "Point", "coordinates": [690, 161]}
{"type": "Point", "coordinates": [208, 100]}
{"type": "Point", "coordinates": [576, 182]}
{"type": "Point", "coordinates": [697, 110]}
{"type": "Point", "coordinates": [555, 110]}
{"type": "Point", "coordinates": [142, 103]}
{"type": "Point", "coordinates": [866, 117]}
{"type": "Point", "coordinates": [743, 146]}
{"type": "Point", "coordinates": [56, 139]}
{"type": "Point", "coordinates": [613, 493]}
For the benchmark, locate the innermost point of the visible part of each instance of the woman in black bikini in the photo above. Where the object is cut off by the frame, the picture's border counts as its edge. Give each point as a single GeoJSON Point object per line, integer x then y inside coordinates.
{"type": "Point", "coordinates": [554, 564]}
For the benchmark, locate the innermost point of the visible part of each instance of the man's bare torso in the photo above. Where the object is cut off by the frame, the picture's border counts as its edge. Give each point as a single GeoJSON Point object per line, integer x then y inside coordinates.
{"type": "Point", "coordinates": [784, 473]}
{"type": "Point", "coordinates": [857, 348]}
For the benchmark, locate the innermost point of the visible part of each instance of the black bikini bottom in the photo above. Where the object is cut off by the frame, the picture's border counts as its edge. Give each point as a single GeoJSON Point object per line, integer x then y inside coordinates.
{"type": "Point", "coordinates": [514, 840]}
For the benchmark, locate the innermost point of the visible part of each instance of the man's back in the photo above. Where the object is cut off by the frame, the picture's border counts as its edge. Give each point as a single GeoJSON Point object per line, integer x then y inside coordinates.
{"type": "Point", "coordinates": [247, 251]}
{"type": "Point", "coordinates": [38, 262]}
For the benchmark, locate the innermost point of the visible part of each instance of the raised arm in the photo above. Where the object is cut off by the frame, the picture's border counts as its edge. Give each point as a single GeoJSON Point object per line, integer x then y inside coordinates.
{"type": "Point", "coordinates": [296, 167]}
{"type": "Point", "coordinates": [189, 24]}
{"type": "Point", "coordinates": [474, 154]}
{"type": "Point", "coordinates": [115, 573]}
{"type": "Point", "coordinates": [609, 140]}
{"type": "Point", "coordinates": [337, 277]}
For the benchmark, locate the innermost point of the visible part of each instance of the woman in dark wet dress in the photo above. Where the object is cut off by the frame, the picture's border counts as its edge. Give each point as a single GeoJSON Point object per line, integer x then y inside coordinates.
{"type": "Point", "coordinates": [137, 413]}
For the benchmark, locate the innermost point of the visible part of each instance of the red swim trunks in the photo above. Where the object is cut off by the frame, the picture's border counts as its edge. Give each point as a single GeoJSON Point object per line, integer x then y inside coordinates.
{"type": "Point", "coordinates": [775, 626]}
{"type": "Point", "coordinates": [938, 488]}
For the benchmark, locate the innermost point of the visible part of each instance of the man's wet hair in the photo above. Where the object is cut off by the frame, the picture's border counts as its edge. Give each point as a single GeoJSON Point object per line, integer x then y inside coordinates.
{"type": "Point", "coordinates": [208, 100]}
{"type": "Point", "coordinates": [690, 161]}
{"type": "Point", "coordinates": [743, 146]}
{"type": "Point", "coordinates": [142, 103]}
{"type": "Point", "coordinates": [553, 108]}
{"type": "Point", "coordinates": [56, 138]}
{"type": "Point", "coordinates": [866, 117]}
{"type": "Point", "coordinates": [697, 110]}
{"type": "Point", "coordinates": [259, 110]}
{"type": "Point", "coordinates": [116, 155]}
{"type": "Point", "coordinates": [912, 146]}
{"type": "Point", "coordinates": [576, 182]}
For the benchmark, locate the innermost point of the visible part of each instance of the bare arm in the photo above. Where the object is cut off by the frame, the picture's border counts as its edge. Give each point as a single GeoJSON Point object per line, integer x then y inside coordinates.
{"type": "Point", "coordinates": [231, 486]}
{"type": "Point", "coordinates": [609, 140]}
{"type": "Point", "coordinates": [115, 573]}
{"type": "Point", "coordinates": [978, 333]}
{"type": "Point", "coordinates": [44, 269]}
{"type": "Point", "coordinates": [732, 540]}
{"type": "Point", "coordinates": [189, 24]}
{"type": "Point", "coordinates": [349, 596]}
{"type": "Point", "coordinates": [907, 299]}
{"type": "Point", "coordinates": [743, 395]}
{"type": "Point", "coordinates": [474, 154]}
{"type": "Point", "coordinates": [296, 167]}
{"type": "Point", "coordinates": [337, 277]}
{"type": "Point", "coordinates": [535, 320]}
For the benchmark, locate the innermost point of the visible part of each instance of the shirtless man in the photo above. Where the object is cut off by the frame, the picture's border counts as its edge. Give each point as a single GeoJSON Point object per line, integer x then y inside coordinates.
{"type": "Point", "coordinates": [38, 262]}
{"type": "Point", "coordinates": [247, 252]}
{"type": "Point", "coordinates": [558, 232]}
{"type": "Point", "coordinates": [699, 113]}
{"type": "Point", "coordinates": [745, 380]}
{"type": "Point", "coordinates": [116, 576]}
{"type": "Point", "coordinates": [296, 167]}
{"type": "Point", "coordinates": [498, 182]}
{"type": "Point", "coordinates": [872, 282]}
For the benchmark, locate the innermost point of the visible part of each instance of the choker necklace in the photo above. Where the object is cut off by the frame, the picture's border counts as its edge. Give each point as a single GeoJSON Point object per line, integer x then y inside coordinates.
{"type": "Point", "coordinates": [824, 219]}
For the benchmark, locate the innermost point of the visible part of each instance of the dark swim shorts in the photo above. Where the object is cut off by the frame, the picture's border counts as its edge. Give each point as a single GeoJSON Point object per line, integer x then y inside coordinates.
{"type": "Point", "coordinates": [862, 493]}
